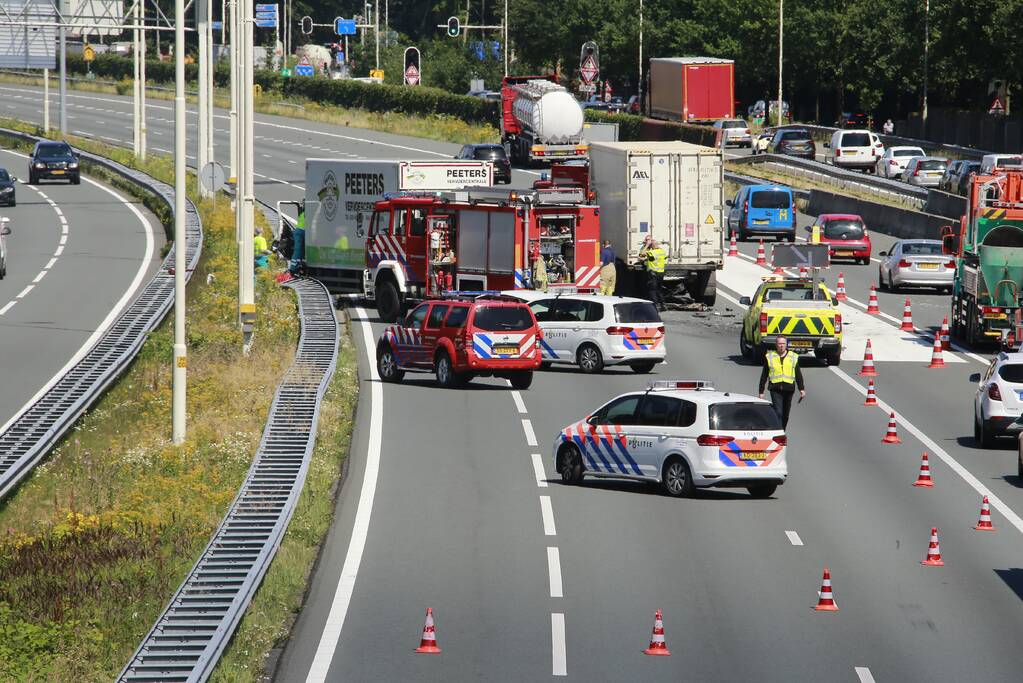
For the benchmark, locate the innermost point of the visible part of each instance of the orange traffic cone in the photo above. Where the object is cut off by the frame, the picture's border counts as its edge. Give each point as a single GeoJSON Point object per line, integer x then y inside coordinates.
{"type": "Point", "coordinates": [733, 248]}
{"type": "Point", "coordinates": [872, 301]}
{"type": "Point", "coordinates": [657, 645]}
{"type": "Point", "coordinates": [825, 598]}
{"type": "Point", "coordinates": [934, 551]}
{"type": "Point", "coordinates": [871, 395]}
{"type": "Point", "coordinates": [924, 478]}
{"type": "Point", "coordinates": [946, 344]}
{"type": "Point", "coordinates": [867, 369]}
{"type": "Point", "coordinates": [937, 361]}
{"type": "Point", "coordinates": [803, 272]}
{"type": "Point", "coordinates": [985, 517]}
{"type": "Point", "coordinates": [907, 318]}
{"type": "Point", "coordinates": [840, 288]}
{"type": "Point", "coordinates": [891, 436]}
{"type": "Point", "coordinates": [428, 643]}
{"type": "Point", "coordinates": [761, 256]}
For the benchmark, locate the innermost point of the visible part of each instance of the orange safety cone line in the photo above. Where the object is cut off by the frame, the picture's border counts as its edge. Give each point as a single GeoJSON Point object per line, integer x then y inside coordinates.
{"type": "Point", "coordinates": [937, 360]}
{"type": "Point", "coordinates": [657, 645]}
{"type": "Point", "coordinates": [871, 399]}
{"type": "Point", "coordinates": [907, 318]}
{"type": "Point", "coordinates": [428, 643]}
{"type": "Point", "coordinates": [924, 478]}
{"type": "Point", "coordinates": [867, 369]}
{"type": "Point", "coordinates": [840, 288]}
{"type": "Point", "coordinates": [825, 598]}
{"type": "Point", "coordinates": [934, 551]}
{"type": "Point", "coordinates": [985, 517]}
{"type": "Point", "coordinates": [892, 436]}
{"type": "Point", "coordinates": [872, 307]}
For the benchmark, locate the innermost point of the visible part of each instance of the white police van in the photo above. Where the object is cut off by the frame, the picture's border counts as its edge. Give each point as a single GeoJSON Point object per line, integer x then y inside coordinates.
{"type": "Point", "coordinates": [682, 434]}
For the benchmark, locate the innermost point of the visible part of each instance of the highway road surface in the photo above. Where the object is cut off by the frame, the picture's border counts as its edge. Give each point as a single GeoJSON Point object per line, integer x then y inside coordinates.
{"type": "Point", "coordinates": [450, 501]}
{"type": "Point", "coordinates": [76, 257]}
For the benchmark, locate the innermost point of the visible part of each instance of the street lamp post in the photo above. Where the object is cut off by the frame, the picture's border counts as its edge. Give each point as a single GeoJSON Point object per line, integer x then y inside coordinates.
{"type": "Point", "coordinates": [927, 45]}
{"type": "Point", "coordinates": [639, 80]}
{"type": "Point", "coordinates": [180, 354]}
{"type": "Point", "coordinates": [781, 32]}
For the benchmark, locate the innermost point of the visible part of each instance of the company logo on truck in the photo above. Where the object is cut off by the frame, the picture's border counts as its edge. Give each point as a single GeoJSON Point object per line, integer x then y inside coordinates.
{"type": "Point", "coordinates": [640, 175]}
{"type": "Point", "coordinates": [328, 195]}
{"type": "Point", "coordinates": [364, 183]}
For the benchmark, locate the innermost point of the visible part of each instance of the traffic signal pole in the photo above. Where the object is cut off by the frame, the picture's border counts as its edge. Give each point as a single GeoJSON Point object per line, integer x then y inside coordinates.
{"type": "Point", "coordinates": [180, 264]}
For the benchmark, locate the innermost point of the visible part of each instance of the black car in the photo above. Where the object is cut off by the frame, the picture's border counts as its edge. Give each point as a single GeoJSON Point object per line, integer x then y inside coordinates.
{"type": "Point", "coordinates": [794, 142]}
{"type": "Point", "coordinates": [494, 153]}
{"type": "Point", "coordinates": [53, 160]}
{"type": "Point", "coordinates": [966, 172]}
{"type": "Point", "coordinates": [7, 188]}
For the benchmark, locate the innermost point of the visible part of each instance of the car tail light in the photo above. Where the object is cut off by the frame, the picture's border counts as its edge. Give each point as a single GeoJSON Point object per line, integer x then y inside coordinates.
{"type": "Point", "coordinates": [619, 330]}
{"type": "Point", "coordinates": [893, 162]}
{"type": "Point", "coordinates": [781, 440]}
{"type": "Point", "coordinates": [838, 152]}
{"type": "Point", "coordinates": [950, 264]}
{"type": "Point", "coordinates": [745, 207]}
{"type": "Point", "coordinates": [838, 323]}
{"type": "Point", "coordinates": [714, 439]}
{"type": "Point", "coordinates": [903, 263]}
{"type": "Point", "coordinates": [916, 172]}
{"type": "Point", "coordinates": [993, 393]}
{"type": "Point", "coordinates": [660, 328]}
{"type": "Point", "coordinates": [763, 323]}
{"type": "Point", "coordinates": [994, 310]}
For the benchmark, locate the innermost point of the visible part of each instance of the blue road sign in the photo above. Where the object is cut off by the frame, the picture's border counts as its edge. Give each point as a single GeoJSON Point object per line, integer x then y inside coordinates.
{"type": "Point", "coordinates": [304, 70]}
{"type": "Point", "coordinates": [268, 23]}
{"type": "Point", "coordinates": [344, 27]}
{"type": "Point", "coordinates": [266, 16]}
{"type": "Point", "coordinates": [266, 7]}
{"type": "Point", "coordinates": [217, 25]}
{"type": "Point", "coordinates": [339, 58]}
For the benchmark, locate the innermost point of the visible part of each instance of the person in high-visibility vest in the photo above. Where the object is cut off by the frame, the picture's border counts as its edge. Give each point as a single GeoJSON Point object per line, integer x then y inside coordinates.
{"type": "Point", "coordinates": [261, 250]}
{"type": "Point", "coordinates": [653, 258]}
{"type": "Point", "coordinates": [781, 376]}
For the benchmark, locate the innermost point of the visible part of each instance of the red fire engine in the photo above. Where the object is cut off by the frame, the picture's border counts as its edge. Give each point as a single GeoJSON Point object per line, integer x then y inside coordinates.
{"type": "Point", "coordinates": [422, 244]}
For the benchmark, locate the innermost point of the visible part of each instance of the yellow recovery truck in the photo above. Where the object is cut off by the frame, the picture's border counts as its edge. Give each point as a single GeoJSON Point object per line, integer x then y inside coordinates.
{"type": "Point", "coordinates": [787, 307]}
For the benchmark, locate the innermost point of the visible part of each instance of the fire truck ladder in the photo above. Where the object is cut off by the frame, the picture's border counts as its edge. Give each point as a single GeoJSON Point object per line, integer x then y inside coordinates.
{"type": "Point", "coordinates": [195, 627]}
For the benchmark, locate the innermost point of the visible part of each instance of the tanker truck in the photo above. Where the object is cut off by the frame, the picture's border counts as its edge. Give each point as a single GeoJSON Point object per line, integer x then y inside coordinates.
{"type": "Point", "coordinates": [988, 246]}
{"type": "Point", "coordinates": [540, 121]}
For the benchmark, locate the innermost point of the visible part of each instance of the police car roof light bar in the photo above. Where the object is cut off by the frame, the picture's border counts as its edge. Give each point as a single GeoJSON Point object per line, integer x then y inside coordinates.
{"type": "Point", "coordinates": [694, 384]}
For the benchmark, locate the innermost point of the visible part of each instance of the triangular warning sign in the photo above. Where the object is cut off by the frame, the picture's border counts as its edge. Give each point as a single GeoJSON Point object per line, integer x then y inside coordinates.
{"type": "Point", "coordinates": [588, 70]}
{"type": "Point", "coordinates": [710, 219]}
{"type": "Point", "coordinates": [304, 61]}
{"type": "Point", "coordinates": [412, 75]}
{"type": "Point", "coordinates": [996, 107]}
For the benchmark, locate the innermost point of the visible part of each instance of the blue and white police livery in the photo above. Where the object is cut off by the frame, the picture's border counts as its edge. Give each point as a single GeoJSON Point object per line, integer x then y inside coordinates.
{"type": "Point", "coordinates": [682, 434]}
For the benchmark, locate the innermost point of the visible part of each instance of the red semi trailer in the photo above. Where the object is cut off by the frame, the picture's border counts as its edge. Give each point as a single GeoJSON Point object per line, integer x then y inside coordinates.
{"type": "Point", "coordinates": [692, 89]}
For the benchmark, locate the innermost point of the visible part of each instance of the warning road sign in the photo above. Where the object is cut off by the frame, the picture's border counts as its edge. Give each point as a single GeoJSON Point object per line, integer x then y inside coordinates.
{"type": "Point", "coordinates": [588, 70]}
{"type": "Point", "coordinates": [710, 219]}
{"type": "Point", "coordinates": [412, 75]}
{"type": "Point", "coordinates": [996, 107]}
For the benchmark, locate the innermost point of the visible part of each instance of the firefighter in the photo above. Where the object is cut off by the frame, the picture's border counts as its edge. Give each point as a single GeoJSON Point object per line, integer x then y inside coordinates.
{"type": "Point", "coordinates": [653, 258]}
{"type": "Point", "coordinates": [540, 273]}
{"type": "Point", "coordinates": [298, 243]}
{"type": "Point", "coordinates": [782, 376]}
{"type": "Point", "coordinates": [607, 269]}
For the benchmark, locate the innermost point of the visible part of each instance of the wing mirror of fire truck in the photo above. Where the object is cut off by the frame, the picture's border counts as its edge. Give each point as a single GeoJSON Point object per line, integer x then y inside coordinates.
{"type": "Point", "coordinates": [948, 242]}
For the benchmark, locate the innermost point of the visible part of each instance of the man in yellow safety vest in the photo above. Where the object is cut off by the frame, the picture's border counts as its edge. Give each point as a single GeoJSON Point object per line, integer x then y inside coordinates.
{"type": "Point", "coordinates": [653, 258]}
{"type": "Point", "coordinates": [781, 376]}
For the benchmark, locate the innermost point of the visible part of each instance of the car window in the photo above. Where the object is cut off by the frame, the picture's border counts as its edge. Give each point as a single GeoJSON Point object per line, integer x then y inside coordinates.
{"type": "Point", "coordinates": [486, 153]}
{"type": "Point", "coordinates": [793, 293]}
{"type": "Point", "coordinates": [417, 226]}
{"type": "Point", "coordinates": [770, 199]}
{"type": "Point", "coordinates": [921, 249]}
{"type": "Point", "coordinates": [619, 411]}
{"type": "Point", "coordinates": [375, 223]}
{"type": "Point", "coordinates": [637, 312]}
{"type": "Point", "coordinates": [931, 165]}
{"type": "Point", "coordinates": [843, 230]}
{"type": "Point", "coordinates": [457, 316]}
{"type": "Point", "coordinates": [54, 150]}
{"type": "Point", "coordinates": [793, 135]}
{"type": "Point", "coordinates": [4, 175]}
{"type": "Point", "coordinates": [747, 416]}
{"type": "Point", "coordinates": [908, 153]}
{"type": "Point", "coordinates": [502, 318]}
{"type": "Point", "coordinates": [1012, 372]}
{"type": "Point", "coordinates": [733, 124]}
{"type": "Point", "coordinates": [571, 310]}
{"type": "Point", "coordinates": [437, 314]}
{"type": "Point", "coordinates": [399, 222]}
{"type": "Point", "coordinates": [855, 140]}
{"type": "Point", "coordinates": [415, 318]}
{"type": "Point", "coordinates": [543, 309]}
{"type": "Point", "coordinates": [659, 411]}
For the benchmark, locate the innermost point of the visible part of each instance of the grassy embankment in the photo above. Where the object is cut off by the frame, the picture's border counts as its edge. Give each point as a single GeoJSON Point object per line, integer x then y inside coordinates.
{"type": "Point", "coordinates": [94, 543]}
{"type": "Point", "coordinates": [442, 128]}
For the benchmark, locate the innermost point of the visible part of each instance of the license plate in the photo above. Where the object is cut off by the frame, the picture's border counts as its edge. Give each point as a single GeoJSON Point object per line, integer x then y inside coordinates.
{"type": "Point", "coordinates": [506, 350]}
{"type": "Point", "coordinates": [760, 222]}
{"type": "Point", "coordinates": [753, 455]}
{"type": "Point", "coordinates": [645, 341]}
{"type": "Point", "coordinates": [995, 316]}
{"type": "Point", "coordinates": [57, 172]}
{"type": "Point", "coordinates": [849, 152]}
{"type": "Point", "coordinates": [927, 266]}
{"type": "Point", "coordinates": [801, 344]}
{"type": "Point", "coordinates": [843, 253]}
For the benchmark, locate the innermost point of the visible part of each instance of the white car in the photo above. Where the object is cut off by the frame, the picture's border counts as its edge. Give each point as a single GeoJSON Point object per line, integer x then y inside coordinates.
{"type": "Point", "coordinates": [998, 404]}
{"type": "Point", "coordinates": [854, 149]}
{"type": "Point", "coordinates": [5, 229]}
{"type": "Point", "coordinates": [594, 331]}
{"type": "Point", "coordinates": [734, 132]}
{"type": "Point", "coordinates": [894, 160]}
{"type": "Point", "coordinates": [681, 434]}
{"type": "Point", "coordinates": [989, 162]}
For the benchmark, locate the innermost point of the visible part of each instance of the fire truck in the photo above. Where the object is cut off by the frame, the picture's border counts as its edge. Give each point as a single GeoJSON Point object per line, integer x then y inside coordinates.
{"type": "Point", "coordinates": [420, 245]}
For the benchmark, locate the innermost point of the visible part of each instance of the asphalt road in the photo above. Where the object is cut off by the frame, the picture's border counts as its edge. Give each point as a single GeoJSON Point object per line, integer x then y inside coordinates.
{"type": "Point", "coordinates": [446, 506]}
{"type": "Point", "coordinates": [76, 256]}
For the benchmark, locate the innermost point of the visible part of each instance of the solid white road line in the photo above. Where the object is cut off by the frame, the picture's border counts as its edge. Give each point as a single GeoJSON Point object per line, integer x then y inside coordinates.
{"type": "Point", "coordinates": [554, 570]}
{"type": "Point", "coordinates": [794, 538]}
{"type": "Point", "coordinates": [360, 529]}
{"type": "Point", "coordinates": [519, 405]}
{"type": "Point", "coordinates": [559, 660]}
{"type": "Point", "coordinates": [527, 427]}
{"type": "Point", "coordinates": [864, 674]}
{"type": "Point", "coordinates": [541, 476]}
{"type": "Point", "coordinates": [11, 303]}
{"type": "Point", "coordinates": [547, 513]}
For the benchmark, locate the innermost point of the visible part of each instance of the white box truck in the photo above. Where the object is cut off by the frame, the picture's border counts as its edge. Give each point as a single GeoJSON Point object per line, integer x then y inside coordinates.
{"type": "Point", "coordinates": [339, 199]}
{"type": "Point", "coordinates": [673, 191]}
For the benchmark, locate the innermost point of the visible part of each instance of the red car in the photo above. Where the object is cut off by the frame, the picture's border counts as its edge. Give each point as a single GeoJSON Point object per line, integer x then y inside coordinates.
{"type": "Point", "coordinates": [846, 236]}
{"type": "Point", "coordinates": [462, 338]}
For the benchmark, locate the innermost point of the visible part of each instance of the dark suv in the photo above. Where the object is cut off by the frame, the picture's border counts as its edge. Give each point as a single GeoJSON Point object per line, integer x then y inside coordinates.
{"type": "Point", "coordinates": [494, 153]}
{"type": "Point", "coordinates": [53, 160]}
{"type": "Point", "coordinates": [794, 143]}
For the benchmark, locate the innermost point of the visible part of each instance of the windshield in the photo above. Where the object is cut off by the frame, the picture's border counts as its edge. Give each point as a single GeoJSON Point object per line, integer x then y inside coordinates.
{"type": "Point", "coordinates": [794, 293]}
{"type": "Point", "coordinates": [855, 140]}
{"type": "Point", "coordinates": [637, 312]}
{"type": "Point", "coordinates": [489, 153]}
{"type": "Point", "coordinates": [4, 177]}
{"type": "Point", "coordinates": [54, 150]}
{"type": "Point", "coordinates": [1008, 161]}
{"type": "Point", "coordinates": [843, 230]}
{"type": "Point", "coordinates": [907, 153]}
{"type": "Point", "coordinates": [1012, 373]}
{"type": "Point", "coordinates": [795, 135]}
{"type": "Point", "coordinates": [502, 318]}
{"type": "Point", "coordinates": [931, 165]}
{"type": "Point", "coordinates": [921, 249]}
{"type": "Point", "coordinates": [771, 199]}
{"type": "Point", "coordinates": [749, 416]}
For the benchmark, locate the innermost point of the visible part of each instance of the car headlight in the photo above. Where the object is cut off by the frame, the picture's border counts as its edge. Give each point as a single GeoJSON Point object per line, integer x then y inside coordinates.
{"type": "Point", "coordinates": [73, 164]}
{"type": "Point", "coordinates": [7, 190]}
{"type": "Point", "coordinates": [40, 164]}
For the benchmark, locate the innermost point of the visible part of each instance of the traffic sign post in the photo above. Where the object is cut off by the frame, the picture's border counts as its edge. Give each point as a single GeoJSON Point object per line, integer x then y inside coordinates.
{"type": "Point", "coordinates": [413, 66]}
{"type": "Point", "coordinates": [304, 68]}
{"type": "Point", "coordinates": [589, 67]}
{"type": "Point", "coordinates": [344, 27]}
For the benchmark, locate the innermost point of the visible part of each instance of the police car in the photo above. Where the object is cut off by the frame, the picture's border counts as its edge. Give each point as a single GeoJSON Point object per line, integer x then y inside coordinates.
{"type": "Point", "coordinates": [594, 331]}
{"type": "Point", "coordinates": [682, 434]}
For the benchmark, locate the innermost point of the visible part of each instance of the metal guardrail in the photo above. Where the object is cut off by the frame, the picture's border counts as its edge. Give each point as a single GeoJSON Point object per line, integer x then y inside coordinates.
{"type": "Point", "coordinates": [825, 133]}
{"type": "Point", "coordinates": [191, 634]}
{"type": "Point", "coordinates": [37, 429]}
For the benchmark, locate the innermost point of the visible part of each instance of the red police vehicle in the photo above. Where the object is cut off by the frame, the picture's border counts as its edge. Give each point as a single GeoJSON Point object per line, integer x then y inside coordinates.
{"type": "Point", "coordinates": [467, 335]}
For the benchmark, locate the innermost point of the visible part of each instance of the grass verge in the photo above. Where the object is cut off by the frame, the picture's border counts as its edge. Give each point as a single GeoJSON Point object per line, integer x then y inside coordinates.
{"type": "Point", "coordinates": [440, 128]}
{"type": "Point", "coordinates": [95, 541]}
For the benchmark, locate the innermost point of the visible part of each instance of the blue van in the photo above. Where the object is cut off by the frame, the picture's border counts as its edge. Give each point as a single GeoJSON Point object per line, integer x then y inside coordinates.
{"type": "Point", "coordinates": [762, 210]}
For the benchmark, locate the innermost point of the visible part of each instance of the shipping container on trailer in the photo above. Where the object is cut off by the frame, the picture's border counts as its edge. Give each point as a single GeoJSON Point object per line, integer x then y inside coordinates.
{"type": "Point", "coordinates": [672, 191]}
{"type": "Point", "coordinates": [692, 89]}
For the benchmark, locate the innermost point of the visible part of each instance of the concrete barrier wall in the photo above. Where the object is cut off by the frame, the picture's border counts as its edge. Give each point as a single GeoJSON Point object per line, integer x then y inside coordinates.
{"type": "Point", "coordinates": [944, 204]}
{"type": "Point", "coordinates": [890, 220]}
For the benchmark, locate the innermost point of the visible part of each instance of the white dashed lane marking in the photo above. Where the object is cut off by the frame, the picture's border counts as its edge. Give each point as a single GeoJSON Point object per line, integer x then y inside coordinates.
{"type": "Point", "coordinates": [519, 405]}
{"type": "Point", "coordinates": [541, 476]}
{"type": "Point", "coordinates": [527, 427]}
{"type": "Point", "coordinates": [547, 513]}
{"type": "Point", "coordinates": [794, 538]}
{"type": "Point", "coordinates": [554, 570]}
{"type": "Point", "coordinates": [864, 674]}
{"type": "Point", "coordinates": [559, 659]}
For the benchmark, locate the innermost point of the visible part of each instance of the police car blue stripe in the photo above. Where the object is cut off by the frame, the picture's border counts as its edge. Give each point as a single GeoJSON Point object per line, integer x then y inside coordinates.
{"type": "Point", "coordinates": [578, 441]}
{"type": "Point", "coordinates": [628, 456]}
{"type": "Point", "coordinates": [547, 350]}
{"type": "Point", "coordinates": [597, 443]}
{"type": "Point", "coordinates": [607, 465]}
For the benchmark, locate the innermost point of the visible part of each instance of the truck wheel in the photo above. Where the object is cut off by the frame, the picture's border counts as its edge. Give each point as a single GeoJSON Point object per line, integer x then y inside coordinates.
{"type": "Point", "coordinates": [388, 302]}
{"type": "Point", "coordinates": [522, 380]}
{"type": "Point", "coordinates": [832, 358]}
{"type": "Point", "coordinates": [706, 287]}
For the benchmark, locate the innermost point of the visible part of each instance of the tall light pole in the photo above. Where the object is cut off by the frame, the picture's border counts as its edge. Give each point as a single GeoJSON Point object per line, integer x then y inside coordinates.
{"type": "Point", "coordinates": [246, 205]}
{"type": "Point", "coordinates": [232, 10]}
{"type": "Point", "coordinates": [505, 37]}
{"type": "Point", "coordinates": [781, 33]}
{"type": "Point", "coordinates": [62, 87]}
{"type": "Point", "coordinates": [180, 354]}
{"type": "Point", "coordinates": [927, 45]}
{"type": "Point", "coordinates": [376, 30]}
{"type": "Point", "coordinates": [639, 91]}
{"type": "Point", "coordinates": [202, 142]}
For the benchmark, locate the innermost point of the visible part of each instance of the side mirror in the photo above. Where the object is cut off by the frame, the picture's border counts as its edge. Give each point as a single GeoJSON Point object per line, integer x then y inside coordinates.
{"type": "Point", "coordinates": [975, 377]}
{"type": "Point", "coordinates": [745, 301]}
{"type": "Point", "coordinates": [827, 144]}
{"type": "Point", "coordinates": [6, 230]}
{"type": "Point", "coordinates": [808, 228]}
{"type": "Point", "coordinates": [591, 420]}
{"type": "Point", "coordinates": [882, 253]}
{"type": "Point", "coordinates": [729, 202]}
{"type": "Point", "coordinates": [834, 302]}
{"type": "Point", "coordinates": [14, 178]}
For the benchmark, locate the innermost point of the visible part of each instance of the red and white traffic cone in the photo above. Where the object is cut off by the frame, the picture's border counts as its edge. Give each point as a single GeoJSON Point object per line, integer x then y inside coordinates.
{"type": "Point", "coordinates": [924, 478]}
{"type": "Point", "coordinates": [892, 436]}
{"type": "Point", "coordinates": [840, 288]}
{"type": "Point", "coordinates": [871, 394]}
{"type": "Point", "coordinates": [934, 551]}
{"type": "Point", "coordinates": [803, 272]}
{"type": "Point", "coordinates": [733, 248]}
{"type": "Point", "coordinates": [761, 255]}
{"type": "Point", "coordinates": [985, 517]}
{"type": "Point", "coordinates": [867, 369]}
{"type": "Point", "coordinates": [907, 318]}
{"type": "Point", "coordinates": [937, 361]}
{"type": "Point", "coordinates": [428, 643]}
{"type": "Point", "coordinates": [825, 598]}
{"type": "Point", "coordinates": [872, 301]}
{"type": "Point", "coordinates": [657, 645]}
{"type": "Point", "coordinates": [946, 343]}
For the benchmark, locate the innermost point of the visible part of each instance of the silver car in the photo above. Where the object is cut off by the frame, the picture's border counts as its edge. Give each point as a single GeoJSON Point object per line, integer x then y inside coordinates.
{"type": "Point", "coordinates": [915, 263]}
{"type": "Point", "coordinates": [924, 171]}
{"type": "Point", "coordinates": [734, 132]}
{"type": "Point", "coordinates": [5, 229]}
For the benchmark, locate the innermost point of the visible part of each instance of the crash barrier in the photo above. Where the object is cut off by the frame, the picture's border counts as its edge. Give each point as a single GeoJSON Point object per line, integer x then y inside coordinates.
{"type": "Point", "coordinates": [939, 203]}
{"type": "Point", "coordinates": [740, 179]}
{"type": "Point", "coordinates": [31, 434]}
{"type": "Point", "coordinates": [972, 129]}
{"type": "Point", "coordinates": [824, 133]}
{"type": "Point", "coordinates": [189, 637]}
{"type": "Point", "coordinates": [884, 218]}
